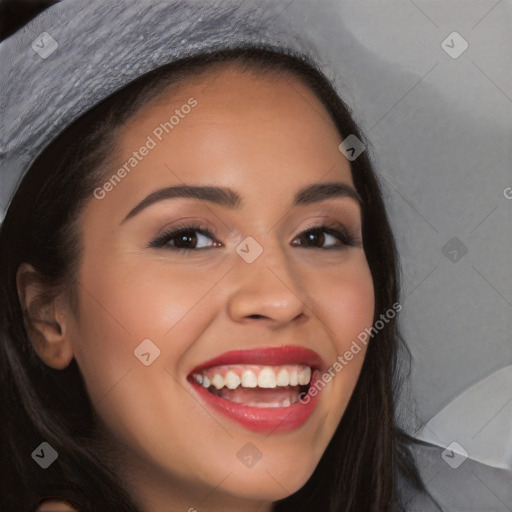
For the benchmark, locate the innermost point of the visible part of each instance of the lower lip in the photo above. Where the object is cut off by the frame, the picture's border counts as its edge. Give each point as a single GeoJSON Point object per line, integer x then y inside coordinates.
{"type": "Point", "coordinates": [261, 419]}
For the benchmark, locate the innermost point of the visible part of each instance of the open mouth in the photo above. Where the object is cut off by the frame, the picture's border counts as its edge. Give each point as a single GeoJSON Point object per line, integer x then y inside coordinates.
{"type": "Point", "coordinates": [257, 385]}
{"type": "Point", "coordinates": [261, 389]}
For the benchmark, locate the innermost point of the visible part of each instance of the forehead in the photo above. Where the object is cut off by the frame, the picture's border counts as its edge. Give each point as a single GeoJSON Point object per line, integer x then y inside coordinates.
{"type": "Point", "coordinates": [265, 135]}
{"type": "Point", "coordinates": [222, 89]}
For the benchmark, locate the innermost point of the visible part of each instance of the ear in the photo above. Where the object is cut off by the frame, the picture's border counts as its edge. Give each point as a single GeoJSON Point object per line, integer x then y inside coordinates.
{"type": "Point", "coordinates": [46, 319]}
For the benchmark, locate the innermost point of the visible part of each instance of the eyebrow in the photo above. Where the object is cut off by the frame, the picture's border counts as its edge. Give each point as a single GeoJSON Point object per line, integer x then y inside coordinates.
{"type": "Point", "coordinates": [230, 199]}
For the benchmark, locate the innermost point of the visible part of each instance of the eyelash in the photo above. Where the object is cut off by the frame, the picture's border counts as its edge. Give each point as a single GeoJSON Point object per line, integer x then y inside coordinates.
{"type": "Point", "coordinates": [335, 229]}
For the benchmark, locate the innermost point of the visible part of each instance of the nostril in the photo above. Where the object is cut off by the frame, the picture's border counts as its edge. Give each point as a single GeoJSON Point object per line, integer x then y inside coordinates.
{"type": "Point", "coordinates": [256, 316]}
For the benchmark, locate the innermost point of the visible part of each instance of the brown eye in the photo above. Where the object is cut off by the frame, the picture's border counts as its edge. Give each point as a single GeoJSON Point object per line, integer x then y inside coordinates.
{"type": "Point", "coordinates": [185, 238]}
{"type": "Point", "coordinates": [333, 237]}
{"type": "Point", "coordinates": [315, 237]}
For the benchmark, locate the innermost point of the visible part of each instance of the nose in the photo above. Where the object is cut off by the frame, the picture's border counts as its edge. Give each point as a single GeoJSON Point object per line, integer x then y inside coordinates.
{"type": "Point", "coordinates": [266, 290]}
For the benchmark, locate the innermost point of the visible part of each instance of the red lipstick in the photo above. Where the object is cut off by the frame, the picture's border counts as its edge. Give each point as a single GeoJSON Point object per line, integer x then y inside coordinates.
{"type": "Point", "coordinates": [258, 418]}
{"type": "Point", "coordinates": [272, 356]}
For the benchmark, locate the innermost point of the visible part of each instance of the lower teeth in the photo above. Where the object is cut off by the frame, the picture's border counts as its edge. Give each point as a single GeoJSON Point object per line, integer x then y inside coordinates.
{"type": "Point", "coordinates": [287, 402]}
{"type": "Point", "coordinates": [284, 403]}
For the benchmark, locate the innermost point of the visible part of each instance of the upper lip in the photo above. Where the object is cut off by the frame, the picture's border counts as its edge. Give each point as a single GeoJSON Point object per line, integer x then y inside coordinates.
{"type": "Point", "coordinates": [266, 356]}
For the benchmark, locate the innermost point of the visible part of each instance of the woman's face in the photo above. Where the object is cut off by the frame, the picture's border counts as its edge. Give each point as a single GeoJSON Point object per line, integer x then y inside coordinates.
{"type": "Point", "coordinates": [248, 276]}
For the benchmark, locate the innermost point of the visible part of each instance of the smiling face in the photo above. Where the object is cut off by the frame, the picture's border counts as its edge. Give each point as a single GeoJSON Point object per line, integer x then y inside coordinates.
{"type": "Point", "coordinates": [200, 263]}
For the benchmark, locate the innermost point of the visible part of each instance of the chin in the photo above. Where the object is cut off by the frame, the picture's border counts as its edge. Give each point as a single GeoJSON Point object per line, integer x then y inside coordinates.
{"type": "Point", "coordinates": [271, 482]}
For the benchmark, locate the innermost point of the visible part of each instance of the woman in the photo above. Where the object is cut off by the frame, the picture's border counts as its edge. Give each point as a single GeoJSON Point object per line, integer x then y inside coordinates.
{"type": "Point", "coordinates": [199, 284]}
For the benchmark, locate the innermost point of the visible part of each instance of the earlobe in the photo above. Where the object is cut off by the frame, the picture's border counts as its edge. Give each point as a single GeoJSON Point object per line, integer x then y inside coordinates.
{"type": "Point", "coordinates": [45, 318]}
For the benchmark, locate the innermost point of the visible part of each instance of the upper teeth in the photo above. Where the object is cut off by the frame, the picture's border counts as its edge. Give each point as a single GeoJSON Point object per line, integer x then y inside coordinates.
{"type": "Point", "coordinates": [251, 376]}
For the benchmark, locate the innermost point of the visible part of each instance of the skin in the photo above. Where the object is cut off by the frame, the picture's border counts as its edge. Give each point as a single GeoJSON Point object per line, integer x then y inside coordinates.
{"type": "Point", "coordinates": [265, 136]}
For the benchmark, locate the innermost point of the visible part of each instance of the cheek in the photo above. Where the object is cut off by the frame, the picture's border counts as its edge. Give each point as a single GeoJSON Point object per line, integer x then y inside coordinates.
{"type": "Point", "coordinates": [345, 301]}
{"type": "Point", "coordinates": [120, 307]}
{"type": "Point", "coordinates": [123, 303]}
{"type": "Point", "coordinates": [127, 300]}
{"type": "Point", "coordinates": [345, 305]}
